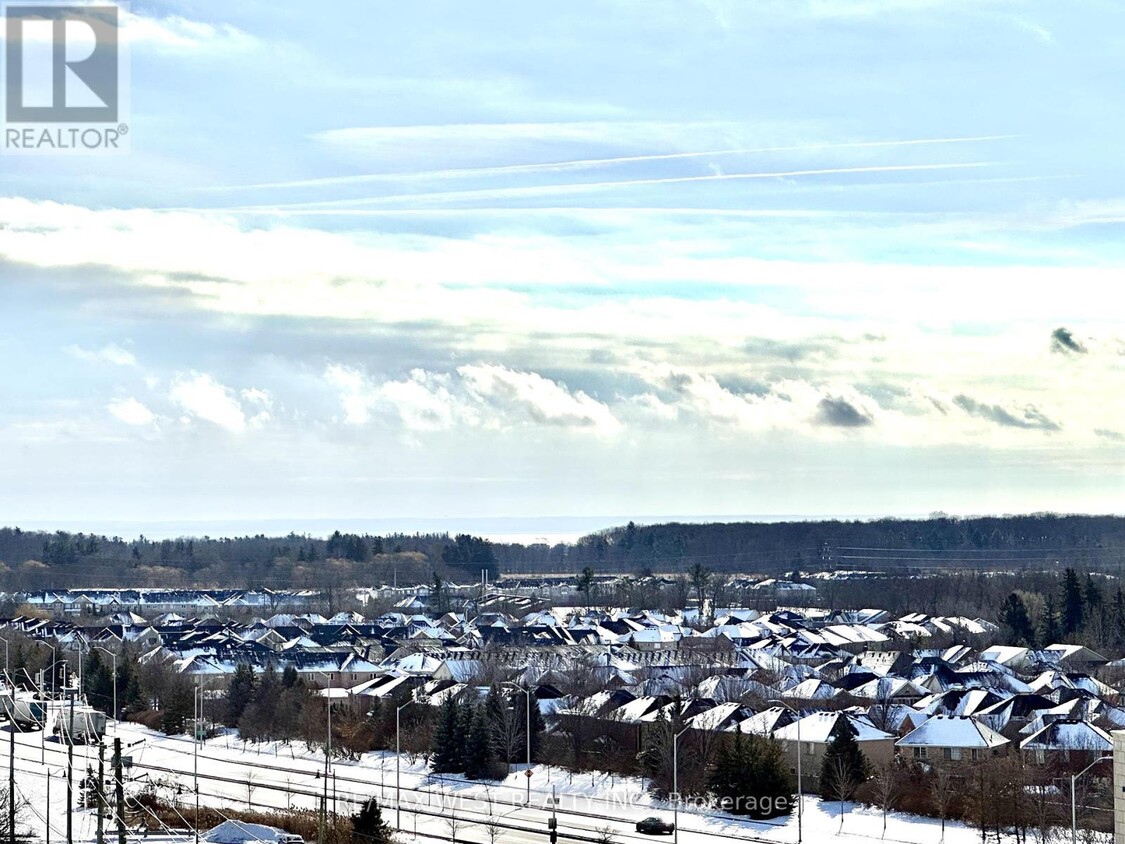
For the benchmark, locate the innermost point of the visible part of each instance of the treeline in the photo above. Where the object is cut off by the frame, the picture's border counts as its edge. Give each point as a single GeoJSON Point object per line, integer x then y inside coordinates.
{"type": "Point", "coordinates": [36, 560]}
{"type": "Point", "coordinates": [1036, 540]}
{"type": "Point", "coordinates": [31, 560]}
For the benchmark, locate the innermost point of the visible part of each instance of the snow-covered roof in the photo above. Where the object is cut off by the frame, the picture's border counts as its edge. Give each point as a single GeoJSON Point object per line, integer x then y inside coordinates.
{"type": "Point", "coordinates": [952, 731]}
{"type": "Point", "coordinates": [818, 727]}
{"type": "Point", "coordinates": [1069, 735]}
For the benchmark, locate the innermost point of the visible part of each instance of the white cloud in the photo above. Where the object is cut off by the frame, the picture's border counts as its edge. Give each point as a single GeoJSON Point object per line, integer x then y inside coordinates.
{"type": "Point", "coordinates": [180, 35]}
{"type": "Point", "coordinates": [355, 396]}
{"type": "Point", "coordinates": [131, 411]}
{"type": "Point", "coordinates": [472, 396]}
{"type": "Point", "coordinates": [535, 398]}
{"type": "Point", "coordinates": [110, 353]}
{"type": "Point", "coordinates": [202, 396]}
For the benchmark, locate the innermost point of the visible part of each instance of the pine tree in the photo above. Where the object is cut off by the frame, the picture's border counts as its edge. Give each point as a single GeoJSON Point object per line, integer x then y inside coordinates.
{"type": "Point", "coordinates": [1092, 593]}
{"type": "Point", "coordinates": [439, 596]}
{"type": "Point", "coordinates": [240, 692]}
{"type": "Point", "coordinates": [1016, 621]}
{"type": "Point", "coordinates": [1073, 603]}
{"type": "Point", "coordinates": [1117, 618]}
{"type": "Point", "coordinates": [538, 727]}
{"type": "Point", "coordinates": [177, 706]}
{"type": "Point", "coordinates": [132, 697]}
{"type": "Point", "coordinates": [447, 754]}
{"type": "Point", "coordinates": [844, 766]}
{"type": "Point", "coordinates": [723, 782]}
{"type": "Point", "coordinates": [98, 681]}
{"type": "Point", "coordinates": [751, 777]}
{"type": "Point", "coordinates": [480, 755]}
{"type": "Point", "coordinates": [368, 825]}
{"type": "Point", "coordinates": [1049, 623]}
{"type": "Point", "coordinates": [767, 778]}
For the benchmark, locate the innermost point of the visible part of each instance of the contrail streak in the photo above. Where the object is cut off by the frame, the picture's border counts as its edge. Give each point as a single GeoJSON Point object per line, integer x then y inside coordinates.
{"type": "Point", "coordinates": [587, 163]}
{"type": "Point", "coordinates": [579, 187]}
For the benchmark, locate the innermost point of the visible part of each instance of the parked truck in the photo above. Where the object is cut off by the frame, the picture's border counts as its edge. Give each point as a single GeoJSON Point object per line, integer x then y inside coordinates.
{"type": "Point", "coordinates": [24, 711]}
{"type": "Point", "coordinates": [80, 724]}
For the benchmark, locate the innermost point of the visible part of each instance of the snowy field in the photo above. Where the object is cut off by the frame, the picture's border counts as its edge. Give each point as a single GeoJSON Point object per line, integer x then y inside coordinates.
{"type": "Point", "coordinates": [232, 774]}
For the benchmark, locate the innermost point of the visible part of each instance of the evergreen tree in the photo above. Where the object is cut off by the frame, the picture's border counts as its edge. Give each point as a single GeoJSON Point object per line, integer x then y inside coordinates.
{"type": "Point", "coordinates": [98, 681]}
{"type": "Point", "coordinates": [700, 578]}
{"type": "Point", "coordinates": [177, 707]}
{"type": "Point", "coordinates": [751, 777]}
{"type": "Point", "coordinates": [538, 727]}
{"type": "Point", "coordinates": [1117, 618]}
{"type": "Point", "coordinates": [240, 692]}
{"type": "Point", "coordinates": [1049, 623]}
{"type": "Point", "coordinates": [258, 721]}
{"type": "Point", "coordinates": [131, 695]}
{"type": "Point", "coordinates": [368, 825]}
{"type": "Point", "coordinates": [1092, 594]}
{"type": "Point", "coordinates": [289, 712]}
{"type": "Point", "coordinates": [480, 754]}
{"type": "Point", "coordinates": [439, 596]}
{"type": "Point", "coordinates": [1016, 621]}
{"type": "Point", "coordinates": [766, 776]}
{"type": "Point", "coordinates": [447, 755]}
{"type": "Point", "coordinates": [844, 766]}
{"type": "Point", "coordinates": [724, 779]}
{"type": "Point", "coordinates": [584, 583]}
{"type": "Point", "coordinates": [1073, 603]}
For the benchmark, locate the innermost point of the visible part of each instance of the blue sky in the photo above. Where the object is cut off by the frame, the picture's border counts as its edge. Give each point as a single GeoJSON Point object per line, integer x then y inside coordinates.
{"type": "Point", "coordinates": [598, 259]}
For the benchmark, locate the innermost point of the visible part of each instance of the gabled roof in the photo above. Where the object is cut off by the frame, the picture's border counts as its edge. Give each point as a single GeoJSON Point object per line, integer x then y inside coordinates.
{"type": "Point", "coordinates": [818, 727]}
{"type": "Point", "coordinates": [952, 731]}
{"type": "Point", "coordinates": [766, 722]}
{"type": "Point", "coordinates": [1069, 735]}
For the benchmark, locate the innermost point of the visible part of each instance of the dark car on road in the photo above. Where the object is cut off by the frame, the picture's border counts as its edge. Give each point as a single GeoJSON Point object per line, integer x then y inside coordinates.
{"type": "Point", "coordinates": [655, 826]}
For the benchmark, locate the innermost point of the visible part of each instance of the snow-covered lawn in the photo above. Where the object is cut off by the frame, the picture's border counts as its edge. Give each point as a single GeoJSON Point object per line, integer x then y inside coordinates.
{"type": "Point", "coordinates": [234, 774]}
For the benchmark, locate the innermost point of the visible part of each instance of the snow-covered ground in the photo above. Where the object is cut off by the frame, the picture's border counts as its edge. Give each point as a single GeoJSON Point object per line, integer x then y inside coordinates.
{"type": "Point", "coordinates": [232, 774]}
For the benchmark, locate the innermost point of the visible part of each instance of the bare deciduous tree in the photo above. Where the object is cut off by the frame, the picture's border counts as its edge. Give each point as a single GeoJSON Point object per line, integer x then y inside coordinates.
{"type": "Point", "coordinates": [837, 783]}
{"type": "Point", "coordinates": [942, 793]}
{"type": "Point", "coordinates": [886, 782]}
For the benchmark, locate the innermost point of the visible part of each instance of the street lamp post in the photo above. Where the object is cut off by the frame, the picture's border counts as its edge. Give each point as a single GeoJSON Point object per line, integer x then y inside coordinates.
{"type": "Point", "coordinates": [327, 755]}
{"type": "Point", "coordinates": [676, 786]}
{"type": "Point", "coordinates": [800, 793]}
{"type": "Point", "coordinates": [196, 698]}
{"type": "Point", "coordinates": [54, 662]}
{"type": "Point", "coordinates": [1073, 804]}
{"type": "Point", "coordinates": [398, 766]}
{"type": "Point", "coordinates": [527, 732]}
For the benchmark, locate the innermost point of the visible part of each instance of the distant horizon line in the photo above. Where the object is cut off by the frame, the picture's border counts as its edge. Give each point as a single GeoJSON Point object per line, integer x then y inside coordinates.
{"type": "Point", "coordinates": [514, 529]}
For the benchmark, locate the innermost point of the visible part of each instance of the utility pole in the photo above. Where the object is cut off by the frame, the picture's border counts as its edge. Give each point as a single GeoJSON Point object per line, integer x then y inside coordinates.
{"type": "Point", "coordinates": [327, 754]}
{"type": "Point", "coordinates": [12, 767]}
{"type": "Point", "coordinates": [552, 822]}
{"type": "Point", "coordinates": [119, 791]}
{"type": "Point", "coordinates": [69, 733]}
{"type": "Point", "coordinates": [195, 702]}
{"type": "Point", "coordinates": [101, 792]}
